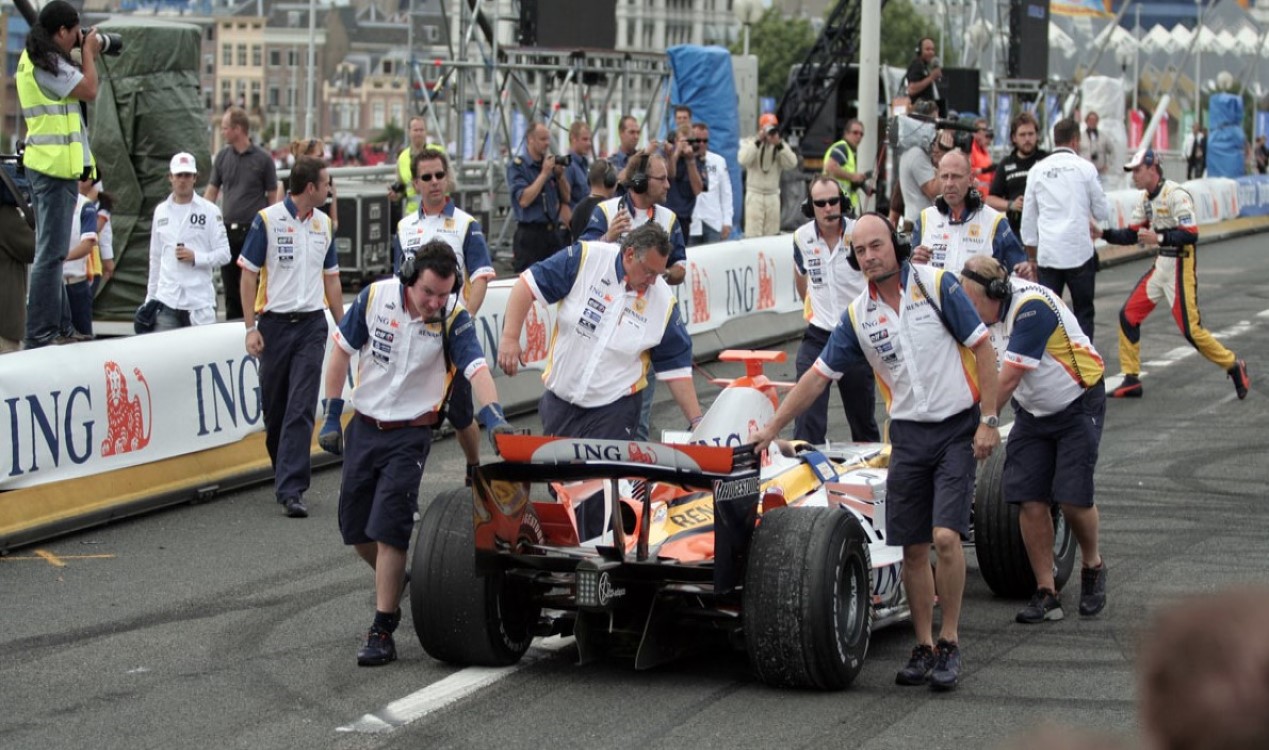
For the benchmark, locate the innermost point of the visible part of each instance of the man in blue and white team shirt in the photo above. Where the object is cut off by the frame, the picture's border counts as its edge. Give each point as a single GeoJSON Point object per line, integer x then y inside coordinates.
{"type": "Point", "coordinates": [1053, 373]}
{"type": "Point", "coordinates": [400, 328]}
{"type": "Point", "coordinates": [615, 317]}
{"type": "Point", "coordinates": [437, 218]}
{"type": "Point", "coordinates": [187, 243]}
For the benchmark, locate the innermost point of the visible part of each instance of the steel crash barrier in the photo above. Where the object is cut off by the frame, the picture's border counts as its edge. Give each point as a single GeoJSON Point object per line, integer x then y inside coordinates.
{"type": "Point", "coordinates": [110, 428]}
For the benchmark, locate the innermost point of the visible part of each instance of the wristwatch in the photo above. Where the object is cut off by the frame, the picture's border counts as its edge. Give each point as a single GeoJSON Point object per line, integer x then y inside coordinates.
{"type": "Point", "coordinates": [991, 421]}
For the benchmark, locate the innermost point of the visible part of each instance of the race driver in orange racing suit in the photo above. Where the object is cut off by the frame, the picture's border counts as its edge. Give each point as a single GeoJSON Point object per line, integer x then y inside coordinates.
{"type": "Point", "coordinates": [1165, 220]}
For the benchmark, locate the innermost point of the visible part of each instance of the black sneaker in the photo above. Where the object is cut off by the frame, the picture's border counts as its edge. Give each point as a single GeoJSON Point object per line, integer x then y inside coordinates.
{"type": "Point", "coordinates": [918, 670]}
{"type": "Point", "coordinates": [1092, 590]}
{"type": "Point", "coordinates": [1044, 606]}
{"type": "Point", "coordinates": [379, 649]}
{"type": "Point", "coordinates": [1130, 388]}
{"type": "Point", "coordinates": [947, 669]}
{"type": "Point", "coordinates": [1239, 375]}
{"type": "Point", "coordinates": [295, 507]}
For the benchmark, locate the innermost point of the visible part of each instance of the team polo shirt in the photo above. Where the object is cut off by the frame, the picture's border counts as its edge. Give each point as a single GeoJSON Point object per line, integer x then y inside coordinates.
{"type": "Point", "coordinates": [952, 241]}
{"type": "Point", "coordinates": [401, 372]}
{"type": "Point", "coordinates": [606, 211]}
{"type": "Point", "coordinates": [457, 228]}
{"type": "Point", "coordinates": [924, 374]}
{"type": "Point", "coordinates": [831, 284]}
{"type": "Point", "coordinates": [606, 335]}
{"type": "Point", "coordinates": [1042, 337]}
{"type": "Point", "coordinates": [291, 253]}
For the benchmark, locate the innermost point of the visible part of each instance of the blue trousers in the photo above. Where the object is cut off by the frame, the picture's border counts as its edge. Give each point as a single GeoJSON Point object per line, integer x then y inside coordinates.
{"type": "Point", "coordinates": [857, 388]}
{"type": "Point", "coordinates": [290, 373]}
{"type": "Point", "coordinates": [47, 306]}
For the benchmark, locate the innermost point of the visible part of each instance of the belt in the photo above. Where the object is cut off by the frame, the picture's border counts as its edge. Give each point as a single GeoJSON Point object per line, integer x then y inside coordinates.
{"type": "Point", "coordinates": [1174, 252]}
{"type": "Point", "coordinates": [292, 317]}
{"type": "Point", "coordinates": [426, 420]}
{"type": "Point", "coordinates": [549, 226]}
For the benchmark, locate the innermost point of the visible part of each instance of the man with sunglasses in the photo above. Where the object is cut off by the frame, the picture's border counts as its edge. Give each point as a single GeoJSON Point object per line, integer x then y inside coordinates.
{"type": "Point", "coordinates": [827, 283]}
{"type": "Point", "coordinates": [437, 218]}
{"type": "Point", "coordinates": [840, 164]}
{"type": "Point", "coordinates": [687, 174]}
{"type": "Point", "coordinates": [712, 218]}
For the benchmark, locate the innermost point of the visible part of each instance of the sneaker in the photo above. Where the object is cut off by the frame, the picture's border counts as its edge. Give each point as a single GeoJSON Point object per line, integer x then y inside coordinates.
{"type": "Point", "coordinates": [1044, 606]}
{"type": "Point", "coordinates": [1092, 590]}
{"type": "Point", "coordinates": [918, 670]}
{"type": "Point", "coordinates": [1130, 388]}
{"type": "Point", "coordinates": [947, 669]}
{"type": "Point", "coordinates": [378, 650]}
{"type": "Point", "coordinates": [1239, 375]}
{"type": "Point", "coordinates": [295, 507]}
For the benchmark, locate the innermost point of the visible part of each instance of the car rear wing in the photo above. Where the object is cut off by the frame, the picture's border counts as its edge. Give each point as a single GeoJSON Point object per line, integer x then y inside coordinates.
{"type": "Point", "coordinates": [625, 455]}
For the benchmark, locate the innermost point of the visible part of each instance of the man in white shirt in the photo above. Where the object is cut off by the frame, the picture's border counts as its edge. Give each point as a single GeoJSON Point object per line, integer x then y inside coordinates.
{"type": "Point", "coordinates": [1063, 204]}
{"type": "Point", "coordinates": [187, 242]}
{"type": "Point", "coordinates": [712, 219]}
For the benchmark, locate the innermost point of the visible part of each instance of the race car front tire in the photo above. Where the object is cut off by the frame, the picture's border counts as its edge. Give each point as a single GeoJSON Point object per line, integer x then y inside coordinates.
{"type": "Point", "coordinates": [1002, 555]}
{"type": "Point", "coordinates": [459, 616]}
{"type": "Point", "coordinates": [807, 601]}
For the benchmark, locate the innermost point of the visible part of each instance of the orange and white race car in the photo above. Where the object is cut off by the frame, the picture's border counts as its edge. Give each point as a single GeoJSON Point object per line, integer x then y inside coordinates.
{"type": "Point", "coordinates": [627, 545]}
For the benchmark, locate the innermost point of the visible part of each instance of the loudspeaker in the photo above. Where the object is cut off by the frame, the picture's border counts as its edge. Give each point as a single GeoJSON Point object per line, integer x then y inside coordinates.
{"type": "Point", "coordinates": [568, 24]}
{"type": "Point", "coordinates": [1029, 39]}
{"type": "Point", "coordinates": [959, 88]}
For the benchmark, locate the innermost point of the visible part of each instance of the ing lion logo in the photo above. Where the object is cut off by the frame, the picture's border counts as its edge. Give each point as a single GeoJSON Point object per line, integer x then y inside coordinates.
{"type": "Point", "coordinates": [535, 350]}
{"type": "Point", "coordinates": [641, 456]}
{"type": "Point", "coordinates": [700, 294]}
{"type": "Point", "coordinates": [126, 430]}
{"type": "Point", "coordinates": [766, 282]}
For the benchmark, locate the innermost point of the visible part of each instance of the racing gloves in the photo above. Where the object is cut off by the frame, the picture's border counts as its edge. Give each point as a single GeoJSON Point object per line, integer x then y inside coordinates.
{"type": "Point", "coordinates": [331, 438]}
{"type": "Point", "coordinates": [493, 420]}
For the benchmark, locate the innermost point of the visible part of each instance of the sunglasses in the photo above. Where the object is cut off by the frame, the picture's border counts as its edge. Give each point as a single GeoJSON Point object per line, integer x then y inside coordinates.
{"type": "Point", "coordinates": [695, 141]}
{"type": "Point", "coordinates": [430, 177]}
{"type": "Point", "coordinates": [828, 202]}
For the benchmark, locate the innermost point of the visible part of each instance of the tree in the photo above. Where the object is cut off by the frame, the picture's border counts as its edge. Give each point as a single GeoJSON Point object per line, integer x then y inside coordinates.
{"type": "Point", "coordinates": [901, 28]}
{"type": "Point", "coordinates": [779, 44]}
{"type": "Point", "coordinates": [392, 134]}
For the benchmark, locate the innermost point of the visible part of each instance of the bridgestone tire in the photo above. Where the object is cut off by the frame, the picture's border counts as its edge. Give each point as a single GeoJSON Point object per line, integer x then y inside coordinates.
{"type": "Point", "coordinates": [461, 617]}
{"type": "Point", "coordinates": [808, 598]}
{"type": "Point", "coordinates": [1002, 555]}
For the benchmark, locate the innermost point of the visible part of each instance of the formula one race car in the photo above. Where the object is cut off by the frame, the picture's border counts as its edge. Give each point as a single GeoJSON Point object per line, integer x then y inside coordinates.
{"type": "Point", "coordinates": [627, 544]}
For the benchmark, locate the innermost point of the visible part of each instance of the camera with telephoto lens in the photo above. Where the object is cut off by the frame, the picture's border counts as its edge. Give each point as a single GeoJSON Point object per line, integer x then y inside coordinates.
{"type": "Point", "coordinates": [565, 161]}
{"type": "Point", "coordinates": [397, 187]}
{"type": "Point", "coordinates": [111, 44]}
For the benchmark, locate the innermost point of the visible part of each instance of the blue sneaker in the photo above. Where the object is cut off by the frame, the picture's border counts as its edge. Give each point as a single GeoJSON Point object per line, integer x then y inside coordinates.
{"type": "Point", "coordinates": [379, 649]}
{"type": "Point", "coordinates": [917, 672]}
{"type": "Point", "coordinates": [947, 669]}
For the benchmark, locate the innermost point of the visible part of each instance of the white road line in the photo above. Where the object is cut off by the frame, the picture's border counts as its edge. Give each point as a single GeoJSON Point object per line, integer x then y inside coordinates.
{"type": "Point", "coordinates": [440, 694]}
{"type": "Point", "coordinates": [1182, 352]}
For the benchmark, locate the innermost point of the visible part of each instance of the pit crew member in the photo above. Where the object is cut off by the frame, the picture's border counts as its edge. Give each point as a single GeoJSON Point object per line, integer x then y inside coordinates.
{"type": "Point", "coordinates": [922, 359]}
{"type": "Point", "coordinates": [1054, 375]}
{"type": "Point", "coordinates": [400, 329]}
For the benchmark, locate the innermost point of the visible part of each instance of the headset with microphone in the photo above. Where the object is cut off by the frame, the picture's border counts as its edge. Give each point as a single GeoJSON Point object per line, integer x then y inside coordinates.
{"type": "Point", "coordinates": [998, 289]}
{"type": "Point", "coordinates": [973, 202]}
{"type": "Point", "coordinates": [808, 210]}
{"type": "Point", "coordinates": [431, 255]}
{"type": "Point", "coordinates": [902, 248]}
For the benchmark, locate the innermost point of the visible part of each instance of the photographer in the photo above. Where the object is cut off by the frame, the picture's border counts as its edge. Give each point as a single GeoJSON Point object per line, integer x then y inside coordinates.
{"type": "Point", "coordinates": [539, 198]}
{"type": "Point", "coordinates": [51, 89]}
{"type": "Point", "coordinates": [687, 174]}
{"type": "Point", "coordinates": [764, 157]}
{"type": "Point", "coordinates": [840, 164]}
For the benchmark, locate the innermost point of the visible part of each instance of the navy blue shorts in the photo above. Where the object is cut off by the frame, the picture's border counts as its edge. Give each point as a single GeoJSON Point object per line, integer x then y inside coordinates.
{"type": "Point", "coordinates": [615, 421]}
{"type": "Point", "coordinates": [931, 478]}
{"type": "Point", "coordinates": [460, 410]}
{"type": "Point", "coordinates": [1051, 459]}
{"type": "Point", "coordinates": [379, 488]}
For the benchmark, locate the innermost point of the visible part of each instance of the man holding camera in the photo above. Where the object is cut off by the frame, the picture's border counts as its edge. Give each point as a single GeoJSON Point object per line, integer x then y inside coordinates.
{"type": "Point", "coordinates": [687, 175]}
{"type": "Point", "coordinates": [246, 174]}
{"type": "Point", "coordinates": [51, 89]}
{"type": "Point", "coordinates": [577, 163]}
{"type": "Point", "coordinates": [840, 164]}
{"type": "Point", "coordinates": [764, 157]}
{"type": "Point", "coordinates": [539, 199]}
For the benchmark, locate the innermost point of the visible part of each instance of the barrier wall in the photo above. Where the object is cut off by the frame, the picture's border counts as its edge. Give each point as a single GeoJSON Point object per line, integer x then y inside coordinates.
{"type": "Point", "coordinates": [103, 429]}
{"type": "Point", "coordinates": [182, 408]}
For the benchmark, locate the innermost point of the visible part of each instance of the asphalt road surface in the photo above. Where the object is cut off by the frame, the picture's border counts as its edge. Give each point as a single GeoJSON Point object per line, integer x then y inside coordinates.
{"type": "Point", "coordinates": [227, 625]}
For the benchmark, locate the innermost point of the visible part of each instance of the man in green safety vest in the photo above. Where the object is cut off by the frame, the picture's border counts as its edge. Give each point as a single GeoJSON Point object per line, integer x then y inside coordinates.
{"type": "Point", "coordinates": [839, 163]}
{"type": "Point", "coordinates": [50, 89]}
{"type": "Point", "coordinates": [404, 186]}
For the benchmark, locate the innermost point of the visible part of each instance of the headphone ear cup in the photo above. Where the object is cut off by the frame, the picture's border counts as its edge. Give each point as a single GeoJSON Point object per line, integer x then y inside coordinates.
{"type": "Point", "coordinates": [902, 247]}
{"type": "Point", "coordinates": [807, 209]}
{"type": "Point", "coordinates": [973, 200]}
{"type": "Point", "coordinates": [408, 273]}
{"type": "Point", "coordinates": [942, 206]}
{"type": "Point", "coordinates": [851, 259]}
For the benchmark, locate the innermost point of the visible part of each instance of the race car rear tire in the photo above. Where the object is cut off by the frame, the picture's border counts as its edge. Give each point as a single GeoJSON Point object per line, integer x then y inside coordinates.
{"type": "Point", "coordinates": [1002, 555]}
{"type": "Point", "coordinates": [461, 617]}
{"type": "Point", "coordinates": [808, 598]}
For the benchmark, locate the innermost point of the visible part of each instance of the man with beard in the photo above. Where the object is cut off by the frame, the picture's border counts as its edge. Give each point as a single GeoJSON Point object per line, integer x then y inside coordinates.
{"type": "Point", "coordinates": [1009, 181]}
